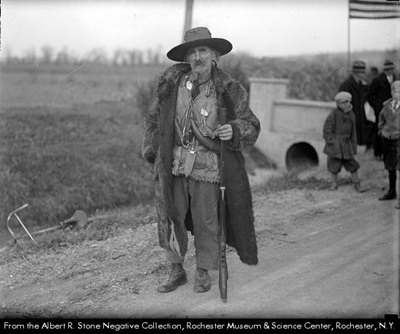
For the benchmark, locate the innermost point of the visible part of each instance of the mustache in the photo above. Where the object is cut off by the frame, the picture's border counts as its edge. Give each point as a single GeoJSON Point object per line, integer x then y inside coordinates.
{"type": "Point", "coordinates": [198, 62]}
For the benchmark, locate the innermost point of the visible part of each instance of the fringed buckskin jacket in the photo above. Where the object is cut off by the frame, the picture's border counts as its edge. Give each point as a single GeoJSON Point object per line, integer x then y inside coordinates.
{"type": "Point", "coordinates": [157, 148]}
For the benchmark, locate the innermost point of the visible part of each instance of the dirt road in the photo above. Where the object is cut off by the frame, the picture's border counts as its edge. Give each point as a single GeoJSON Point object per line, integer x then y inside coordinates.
{"type": "Point", "coordinates": [316, 263]}
{"type": "Point", "coordinates": [321, 254]}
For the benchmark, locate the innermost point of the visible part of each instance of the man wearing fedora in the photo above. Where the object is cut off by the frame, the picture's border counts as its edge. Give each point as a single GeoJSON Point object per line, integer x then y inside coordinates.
{"type": "Point", "coordinates": [377, 93]}
{"type": "Point", "coordinates": [356, 85]}
{"type": "Point", "coordinates": [181, 135]}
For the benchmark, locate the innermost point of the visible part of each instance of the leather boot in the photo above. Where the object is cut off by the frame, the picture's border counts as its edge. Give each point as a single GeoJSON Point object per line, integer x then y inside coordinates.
{"type": "Point", "coordinates": [358, 188]}
{"type": "Point", "coordinates": [202, 282]}
{"type": "Point", "coordinates": [391, 194]}
{"type": "Point", "coordinates": [176, 277]}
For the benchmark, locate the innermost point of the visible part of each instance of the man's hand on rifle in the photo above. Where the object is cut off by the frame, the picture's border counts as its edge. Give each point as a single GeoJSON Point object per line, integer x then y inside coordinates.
{"type": "Point", "coordinates": [224, 132]}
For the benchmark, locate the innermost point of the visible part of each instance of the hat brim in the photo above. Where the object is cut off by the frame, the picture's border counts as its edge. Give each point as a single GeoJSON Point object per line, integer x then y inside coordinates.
{"type": "Point", "coordinates": [222, 46]}
{"type": "Point", "coordinates": [388, 67]}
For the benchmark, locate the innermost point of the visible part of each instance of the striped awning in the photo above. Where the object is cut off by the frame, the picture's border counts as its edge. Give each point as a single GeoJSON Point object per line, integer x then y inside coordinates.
{"type": "Point", "coordinates": [374, 9]}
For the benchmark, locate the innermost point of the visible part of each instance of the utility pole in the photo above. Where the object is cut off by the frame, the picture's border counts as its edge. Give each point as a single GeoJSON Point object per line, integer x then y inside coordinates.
{"type": "Point", "coordinates": [188, 17]}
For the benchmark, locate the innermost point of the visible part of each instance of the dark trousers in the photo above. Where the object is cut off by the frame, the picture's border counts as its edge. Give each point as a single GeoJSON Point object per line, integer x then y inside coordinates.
{"type": "Point", "coordinates": [371, 135]}
{"type": "Point", "coordinates": [390, 159]}
{"type": "Point", "coordinates": [378, 146]}
{"type": "Point", "coordinates": [392, 180]}
{"type": "Point", "coordinates": [335, 165]}
{"type": "Point", "coordinates": [389, 151]}
{"type": "Point", "coordinates": [202, 199]}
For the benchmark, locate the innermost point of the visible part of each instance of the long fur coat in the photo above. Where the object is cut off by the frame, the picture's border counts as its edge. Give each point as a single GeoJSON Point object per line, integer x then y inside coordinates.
{"type": "Point", "coordinates": [157, 149]}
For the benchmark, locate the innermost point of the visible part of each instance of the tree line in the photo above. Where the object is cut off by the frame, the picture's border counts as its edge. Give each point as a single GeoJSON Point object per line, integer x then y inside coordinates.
{"type": "Point", "coordinates": [120, 56]}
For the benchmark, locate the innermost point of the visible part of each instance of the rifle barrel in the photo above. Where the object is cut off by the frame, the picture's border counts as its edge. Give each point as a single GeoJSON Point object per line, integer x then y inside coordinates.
{"type": "Point", "coordinates": [223, 267]}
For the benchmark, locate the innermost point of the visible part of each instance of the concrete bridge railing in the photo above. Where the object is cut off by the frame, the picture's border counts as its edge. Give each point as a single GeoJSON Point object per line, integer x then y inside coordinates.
{"type": "Point", "coordinates": [291, 130]}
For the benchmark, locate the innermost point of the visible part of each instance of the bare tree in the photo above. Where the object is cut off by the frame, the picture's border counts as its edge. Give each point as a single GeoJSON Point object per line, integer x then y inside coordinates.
{"type": "Point", "coordinates": [64, 56]}
{"type": "Point", "coordinates": [139, 57]}
{"type": "Point", "coordinates": [97, 56]}
{"type": "Point", "coordinates": [30, 56]}
{"type": "Point", "coordinates": [118, 57]}
{"type": "Point", "coordinates": [133, 57]}
{"type": "Point", "coordinates": [47, 54]}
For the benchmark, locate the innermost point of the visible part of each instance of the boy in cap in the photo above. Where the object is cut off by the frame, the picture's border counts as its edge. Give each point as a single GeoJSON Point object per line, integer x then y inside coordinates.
{"type": "Point", "coordinates": [339, 132]}
{"type": "Point", "coordinates": [389, 131]}
{"type": "Point", "coordinates": [181, 130]}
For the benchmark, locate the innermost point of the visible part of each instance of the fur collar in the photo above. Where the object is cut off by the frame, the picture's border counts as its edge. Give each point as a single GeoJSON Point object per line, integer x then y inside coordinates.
{"type": "Point", "coordinates": [170, 79]}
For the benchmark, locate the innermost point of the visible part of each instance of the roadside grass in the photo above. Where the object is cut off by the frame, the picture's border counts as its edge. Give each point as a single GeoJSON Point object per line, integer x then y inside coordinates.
{"type": "Point", "coordinates": [267, 182]}
{"type": "Point", "coordinates": [70, 139]}
{"type": "Point", "coordinates": [61, 160]}
{"type": "Point", "coordinates": [103, 225]}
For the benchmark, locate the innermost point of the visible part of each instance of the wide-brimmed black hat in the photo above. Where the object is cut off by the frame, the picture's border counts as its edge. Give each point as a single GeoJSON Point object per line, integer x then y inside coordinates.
{"type": "Point", "coordinates": [197, 37]}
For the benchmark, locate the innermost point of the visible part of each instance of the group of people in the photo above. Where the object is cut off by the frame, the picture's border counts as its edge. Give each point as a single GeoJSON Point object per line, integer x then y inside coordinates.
{"type": "Point", "coordinates": [367, 114]}
{"type": "Point", "coordinates": [184, 134]}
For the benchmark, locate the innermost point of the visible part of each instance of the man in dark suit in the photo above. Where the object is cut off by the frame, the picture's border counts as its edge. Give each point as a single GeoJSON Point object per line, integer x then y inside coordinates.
{"type": "Point", "coordinates": [377, 94]}
{"type": "Point", "coordinates": [356, 85]}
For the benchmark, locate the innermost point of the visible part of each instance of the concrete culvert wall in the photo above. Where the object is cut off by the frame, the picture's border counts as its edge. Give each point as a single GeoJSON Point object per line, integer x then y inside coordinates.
{"type": "Point", "coordinates": [291, 130]}
{"type": "Point", "coordinates": [301, 156]}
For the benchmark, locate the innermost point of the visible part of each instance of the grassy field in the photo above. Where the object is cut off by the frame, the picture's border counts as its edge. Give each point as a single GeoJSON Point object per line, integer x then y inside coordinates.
{"type": "Point", "coordinates": [70, 139]}
{"type": "Point", "coordinates": [68, 85]}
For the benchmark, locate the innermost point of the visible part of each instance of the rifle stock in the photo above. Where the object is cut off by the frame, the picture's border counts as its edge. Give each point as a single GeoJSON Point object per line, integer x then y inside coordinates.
{"type": "Point", "coordinates": [223, 266]}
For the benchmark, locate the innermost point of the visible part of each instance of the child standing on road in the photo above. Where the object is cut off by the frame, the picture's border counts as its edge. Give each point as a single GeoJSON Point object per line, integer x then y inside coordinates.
{"type": "Point", "coordinates": [339, 133]}
{"type": "Point", "coordinates": [389, 130]}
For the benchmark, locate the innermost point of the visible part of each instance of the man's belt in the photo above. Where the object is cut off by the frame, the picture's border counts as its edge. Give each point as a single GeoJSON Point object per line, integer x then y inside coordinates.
{"type": "Point", "coordinates": [213, 145]}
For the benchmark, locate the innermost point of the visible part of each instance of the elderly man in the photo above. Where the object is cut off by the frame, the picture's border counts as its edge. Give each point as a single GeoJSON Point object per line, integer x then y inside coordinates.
{"type": "Point", "coordinates": [181, 133]}
{"type": "Point", "coordinates": [339, 132]}
{"type": "Point", "coordinates": [377, 93]}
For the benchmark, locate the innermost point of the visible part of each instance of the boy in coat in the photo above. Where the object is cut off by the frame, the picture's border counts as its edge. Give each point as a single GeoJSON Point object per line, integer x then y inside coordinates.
{"type": "Point", "coordinates": [339, 132]}
{"type": "Point", "coordinates": [389, 131]}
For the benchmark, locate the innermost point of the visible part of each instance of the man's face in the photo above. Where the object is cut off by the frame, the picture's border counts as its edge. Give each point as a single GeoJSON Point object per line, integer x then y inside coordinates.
{"type": "Point", "coordinates": [389, 72]}
{"type": "Point", "coordinates": [200, 60]}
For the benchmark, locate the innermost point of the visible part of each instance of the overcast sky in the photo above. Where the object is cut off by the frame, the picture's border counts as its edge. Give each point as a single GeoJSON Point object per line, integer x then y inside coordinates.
{"type": "Point", "coordinates": [257, 27]}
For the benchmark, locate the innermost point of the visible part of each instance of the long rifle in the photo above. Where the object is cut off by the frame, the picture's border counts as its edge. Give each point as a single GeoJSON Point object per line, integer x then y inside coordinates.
{"type": "Point", "coordinates": [223, 266]}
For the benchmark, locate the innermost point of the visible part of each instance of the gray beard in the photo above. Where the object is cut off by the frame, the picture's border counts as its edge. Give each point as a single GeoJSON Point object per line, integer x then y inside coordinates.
{"type": "Point", "coordinates": [201, 75]}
